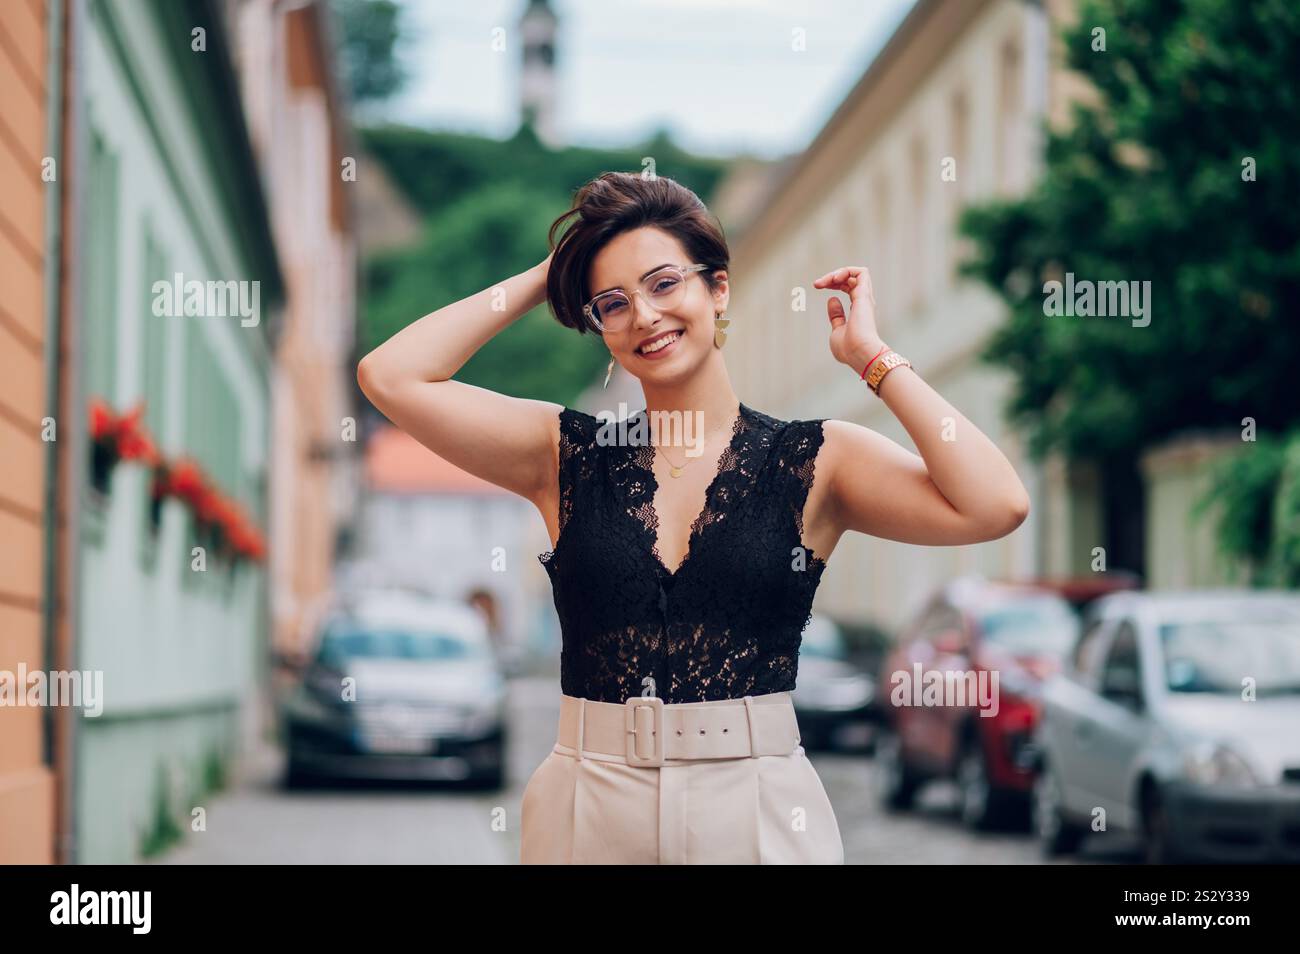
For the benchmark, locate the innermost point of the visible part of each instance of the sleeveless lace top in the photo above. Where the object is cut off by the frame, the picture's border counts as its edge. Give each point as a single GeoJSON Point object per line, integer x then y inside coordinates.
{"type": "Point", "coordinates": [729, 620]}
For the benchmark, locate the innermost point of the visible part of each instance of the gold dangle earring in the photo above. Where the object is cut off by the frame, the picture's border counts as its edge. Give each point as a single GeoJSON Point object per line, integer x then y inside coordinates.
{"type": "Point", "coordinates": [720, 329]}
{"type": "Point", "coordinates": [608, 371]}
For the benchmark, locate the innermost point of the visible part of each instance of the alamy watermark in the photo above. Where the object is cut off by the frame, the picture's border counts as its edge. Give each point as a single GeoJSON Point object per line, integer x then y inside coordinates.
{"type": "Point", "coordinates": [58, 687]}
{"type": "Point", "coordinates": [131, 908]}
{"type": "Point", "coordinates": [208, 299]}
{"type": "Point", "coordinates": [948, 688]}
{"type": "Point", "coordinates": [1088, 299]}
{"type": "Point", "coordinates": [663, 428]}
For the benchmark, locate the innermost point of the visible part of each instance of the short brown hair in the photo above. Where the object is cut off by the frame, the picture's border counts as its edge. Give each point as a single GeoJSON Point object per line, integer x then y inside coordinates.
{"type": "Point", "coordinates": [617, 202]}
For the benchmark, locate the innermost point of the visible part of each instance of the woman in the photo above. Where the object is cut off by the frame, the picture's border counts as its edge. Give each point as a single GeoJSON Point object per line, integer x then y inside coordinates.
{"type": "Point", "coordinates": [677, 739]}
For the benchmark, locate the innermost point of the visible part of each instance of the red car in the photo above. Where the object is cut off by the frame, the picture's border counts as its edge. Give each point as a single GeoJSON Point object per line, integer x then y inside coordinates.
{"type": "Point", "coordinates": [959, 694]}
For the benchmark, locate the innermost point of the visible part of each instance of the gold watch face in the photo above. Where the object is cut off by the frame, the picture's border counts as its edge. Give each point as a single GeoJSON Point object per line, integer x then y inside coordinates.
{"type": "Point", "coordinates": [886, 364]}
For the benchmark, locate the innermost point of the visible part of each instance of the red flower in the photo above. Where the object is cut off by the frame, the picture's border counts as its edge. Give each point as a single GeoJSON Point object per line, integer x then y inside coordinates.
{"type": "Point", "coordinates": [185, 480]}
{"type": "Point", "coordinates": [255, 545]}
{"type": "Point", "coordinates": [133, 441]}
{"type": "Point", "coordinates": [210, 506]}
{"type": "Point", "coordinates": [103, 423]}
{"type": "Point", "coordinates": [126, 438]}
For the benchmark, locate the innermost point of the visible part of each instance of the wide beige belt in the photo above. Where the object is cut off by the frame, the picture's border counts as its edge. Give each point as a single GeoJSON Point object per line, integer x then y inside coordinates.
{"type": "Point", "coordinates": [649, 732]}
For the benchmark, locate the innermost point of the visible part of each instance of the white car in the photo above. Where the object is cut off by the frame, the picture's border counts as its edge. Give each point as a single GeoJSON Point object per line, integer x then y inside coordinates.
{"type": "Point", "coordinates": [1177, 719]}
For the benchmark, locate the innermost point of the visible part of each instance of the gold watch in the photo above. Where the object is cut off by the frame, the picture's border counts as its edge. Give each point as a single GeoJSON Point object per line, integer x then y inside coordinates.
{"type": "Point", "coordinates": [884, 364]}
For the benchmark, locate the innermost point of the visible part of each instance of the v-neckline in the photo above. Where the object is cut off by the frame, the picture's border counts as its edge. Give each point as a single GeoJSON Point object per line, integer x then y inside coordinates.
{"type": "Point", "coordinates": [696, 527]}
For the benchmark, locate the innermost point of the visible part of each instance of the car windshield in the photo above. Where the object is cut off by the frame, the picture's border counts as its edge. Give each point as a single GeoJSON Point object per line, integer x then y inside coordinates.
{"type": "Point", "coordinates": [1041, 626]}
{"type": "Point", "coordinates": [343, 641]}
{"type": "Point", "coordinates": [822, 638]}
{"type": "Point", "coordinates": [1218, 655]}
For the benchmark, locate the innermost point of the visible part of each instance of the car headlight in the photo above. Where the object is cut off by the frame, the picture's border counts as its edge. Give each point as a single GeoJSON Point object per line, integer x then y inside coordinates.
{"type": "Point", "coordinates": [478, 720]}
{"type": "Point", "coordinates": [307, 705]}
{"type": "Point", "coordinates": [1214, 763]}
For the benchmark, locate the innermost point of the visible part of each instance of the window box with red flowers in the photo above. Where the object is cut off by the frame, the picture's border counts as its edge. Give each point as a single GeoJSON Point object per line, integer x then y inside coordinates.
{"type": "Point", "coordinates": [220, 524]}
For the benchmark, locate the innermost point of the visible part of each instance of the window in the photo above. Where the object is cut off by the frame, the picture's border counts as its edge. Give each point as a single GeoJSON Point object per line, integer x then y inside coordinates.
{"type": "Point", "coordinates": [155, 331]}
{"type": "Point", "coordinates": [1010, 112]}
{"type": "Point", "coordinates": [1217, 654]}
{"type": "Point", "coordinates": [959, 191]}
{"type": "Point", "coordinates": [1040, 626]}
{"type": "Point", "coordinates": [212, 425]}
{"type": "Point", "coordinates": [917, 221]}
{"type": "Point", "coordinates": [1121, 679]}
{"type": "Point", "coordinates": [99, 311]}
{"type": "Point", "coordinates": [1087, 656]}
{"type": "Point", "coordinates": [883, 243]}
{"type": "Point", "coordinates": [100, 276]}
{"type": "Point", "coordinates": [943, 621]}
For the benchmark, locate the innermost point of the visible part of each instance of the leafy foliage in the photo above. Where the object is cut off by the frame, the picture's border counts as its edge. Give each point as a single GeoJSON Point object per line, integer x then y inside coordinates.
{"type": "Point", "coordinates": [1244, 489]}
{"type": "Point", "coordinates": [1284, 555]}
{"type": "Point", "coordinates": [1152, 183]}
{"type": "Point", "coordinates": [368, 35]}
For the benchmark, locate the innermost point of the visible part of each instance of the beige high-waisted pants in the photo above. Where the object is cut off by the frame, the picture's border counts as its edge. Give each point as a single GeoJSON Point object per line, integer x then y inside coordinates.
{"type": "Point", "coordinates": [598, 807]}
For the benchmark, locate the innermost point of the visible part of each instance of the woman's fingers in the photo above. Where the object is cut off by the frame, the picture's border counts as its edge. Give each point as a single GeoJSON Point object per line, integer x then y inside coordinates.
{"type": "Point", "coordinates": [838, 275]}
{"type": "Point", "coordinates": [846, 278]}
{"type": "Point", "coordinates": [835, 312]}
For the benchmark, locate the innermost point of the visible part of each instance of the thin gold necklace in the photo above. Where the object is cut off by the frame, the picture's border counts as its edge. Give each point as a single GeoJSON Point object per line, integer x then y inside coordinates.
{"type": "Point", "coordinates": [676, 471]}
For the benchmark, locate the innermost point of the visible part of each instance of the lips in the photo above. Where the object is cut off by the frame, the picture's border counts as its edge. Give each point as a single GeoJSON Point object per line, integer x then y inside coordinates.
{"type": "Point", "coordinates": [659, 344]}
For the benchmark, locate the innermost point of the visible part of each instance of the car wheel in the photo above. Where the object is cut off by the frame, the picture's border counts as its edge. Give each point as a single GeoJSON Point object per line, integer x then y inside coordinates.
{"type": "Point", "coordinates": [492, 780]}
{"type": "Point", "coordinates": [296, 775]}
{"type": "Point", "coordinates": [895, 784]}
{"type": "Point", "coordinates": [1157, 843]}
{"type": "Point", "coordinates": [1056, 834]}
{"type": "Point", "coordinates": [980, 804]}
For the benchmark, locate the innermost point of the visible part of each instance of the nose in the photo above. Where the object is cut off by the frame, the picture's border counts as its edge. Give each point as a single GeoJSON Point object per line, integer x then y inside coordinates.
{"type": "Point", "coordinates": [645, 314]}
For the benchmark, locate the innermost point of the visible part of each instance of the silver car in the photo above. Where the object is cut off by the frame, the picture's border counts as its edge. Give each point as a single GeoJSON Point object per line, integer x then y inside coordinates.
{"type": "Point", "coordinates": [1177, 719]}
{"type": "Point", "coordinates": [399, 687]}
{"type": "Point", "coordinates": [833, 696]}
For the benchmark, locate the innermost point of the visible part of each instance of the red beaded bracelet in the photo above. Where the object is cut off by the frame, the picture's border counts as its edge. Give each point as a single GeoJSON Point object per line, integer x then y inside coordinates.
{"type": "Point", "coordinates": [863, 375]}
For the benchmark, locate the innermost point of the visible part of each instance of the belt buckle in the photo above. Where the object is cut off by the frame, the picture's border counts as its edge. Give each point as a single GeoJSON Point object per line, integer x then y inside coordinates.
{"type": "Point", "coordinates": [656, 706]}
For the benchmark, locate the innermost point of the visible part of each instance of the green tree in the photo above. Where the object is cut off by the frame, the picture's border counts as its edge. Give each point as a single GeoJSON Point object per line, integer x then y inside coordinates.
{"type": "Point", "coordinates": [1182, 174]}
{"type": "Point", "coordinates": [369, 32]}
{"type": "Point", "coordinates": [1179, 173]}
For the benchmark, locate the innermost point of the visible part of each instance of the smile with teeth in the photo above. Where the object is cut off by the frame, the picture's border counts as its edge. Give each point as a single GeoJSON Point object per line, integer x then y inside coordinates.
{"type": "Point", "coordinates": [659, 343]}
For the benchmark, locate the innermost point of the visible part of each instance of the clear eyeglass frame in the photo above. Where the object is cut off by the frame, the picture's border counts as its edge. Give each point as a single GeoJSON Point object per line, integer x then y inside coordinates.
{"type": "Point", "coordinates": [646, 291]}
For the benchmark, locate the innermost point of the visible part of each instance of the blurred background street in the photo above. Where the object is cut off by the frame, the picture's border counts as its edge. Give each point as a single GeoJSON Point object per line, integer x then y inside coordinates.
{"type": "Point", "coordinates": [383, 823]}
{"type": "Point", "coordinates": [318, 641]}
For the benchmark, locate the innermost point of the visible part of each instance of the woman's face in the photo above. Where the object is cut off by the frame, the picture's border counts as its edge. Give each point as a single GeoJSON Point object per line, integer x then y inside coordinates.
{"type": "Point", "coordinates": [621, 264]}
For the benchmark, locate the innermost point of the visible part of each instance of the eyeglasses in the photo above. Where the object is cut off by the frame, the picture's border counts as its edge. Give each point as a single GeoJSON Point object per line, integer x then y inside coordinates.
{"type": "Point", "coordinates": [662, 290]}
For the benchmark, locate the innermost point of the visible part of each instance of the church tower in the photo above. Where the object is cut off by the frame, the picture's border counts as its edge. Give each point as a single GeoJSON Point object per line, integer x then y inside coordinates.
{"type": "Point", "coordinates": [537, 77]}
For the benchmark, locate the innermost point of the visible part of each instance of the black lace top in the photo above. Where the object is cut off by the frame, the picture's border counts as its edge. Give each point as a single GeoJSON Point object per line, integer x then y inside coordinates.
{"type": "Point", "coordinates": [728, 621]}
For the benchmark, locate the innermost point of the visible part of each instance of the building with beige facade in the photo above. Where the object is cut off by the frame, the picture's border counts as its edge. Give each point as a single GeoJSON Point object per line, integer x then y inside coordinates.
{"type": "Point", "coordinates": [947, 113]}
{"type": "Point", "coordinates": [299, 128]}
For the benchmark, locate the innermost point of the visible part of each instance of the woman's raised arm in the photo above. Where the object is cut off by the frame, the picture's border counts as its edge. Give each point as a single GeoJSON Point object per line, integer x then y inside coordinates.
{"type": "Point", "coordinates": [960, 489]}
{"type": "Point", "coordinates": [511, 442]}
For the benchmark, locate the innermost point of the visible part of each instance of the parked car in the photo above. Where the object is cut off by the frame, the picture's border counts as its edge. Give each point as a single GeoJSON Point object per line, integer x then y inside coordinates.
{"type": "Point", "coordinates": [1004, 637]}
{"type": "Point", "coordinates": [832, 697]}
{"type": "Point", "coordinates": [1178, 716]}
{"type": "Point", "coordinates": [1081, 592]}
{"type": "Point", "coordinates": [400, 686]}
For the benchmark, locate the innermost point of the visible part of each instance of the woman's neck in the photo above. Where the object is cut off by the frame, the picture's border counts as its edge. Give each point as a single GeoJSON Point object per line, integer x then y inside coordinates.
{"type": "Point", "coordinates": [707, 398]}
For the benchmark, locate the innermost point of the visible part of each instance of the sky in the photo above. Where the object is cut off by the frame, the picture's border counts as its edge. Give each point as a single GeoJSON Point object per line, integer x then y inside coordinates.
{"type": "Point", "coordinates": [722, 74]}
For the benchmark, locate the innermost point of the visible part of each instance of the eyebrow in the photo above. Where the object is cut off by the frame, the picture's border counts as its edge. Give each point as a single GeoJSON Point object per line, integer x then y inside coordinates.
{"type": "Point", "coordinates": [643, 277]}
